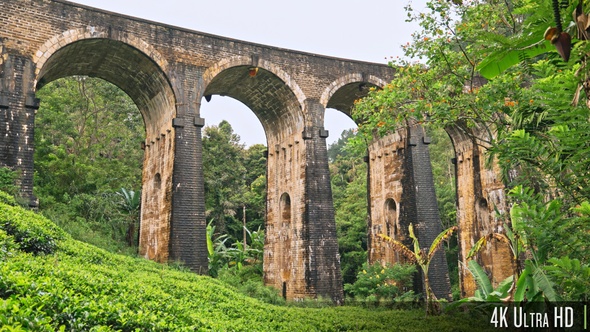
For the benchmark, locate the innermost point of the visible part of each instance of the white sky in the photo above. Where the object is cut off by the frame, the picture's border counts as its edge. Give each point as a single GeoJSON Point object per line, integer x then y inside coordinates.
{"type": "Point", "coordinates": [369, 31]}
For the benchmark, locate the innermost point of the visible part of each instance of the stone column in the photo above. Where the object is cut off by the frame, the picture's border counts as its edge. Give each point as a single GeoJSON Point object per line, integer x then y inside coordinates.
{"type": "Point", "coordinates": [420, 195]}
{"type": "Point", "coordinates": [322, 270]}
{"type": "Point", "coordinates": [188, 226]}
{"type": "Point", "coordinates": [402, 192]}
{"type": "Point", "coordinates": [18, 105]}
{"type": "Point", "coordinates": [480, 193]}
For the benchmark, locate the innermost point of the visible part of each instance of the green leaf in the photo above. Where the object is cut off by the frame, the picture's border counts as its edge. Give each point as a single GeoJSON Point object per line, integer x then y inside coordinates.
{"type": "Point", "coordinates": [521, 286]}
{"type": "Point", "coordinates": [499, 61]}
{"type": "Point", "coordinates": [504, 286]}
{"type": "Point", "coordinates": [481, 277]}
{"type": "Point", "coordinates": [543, 283]}
{"type": "Point", "coordinates": [415, 241]}
{"type": "Point", "coordinates": [477, 247]}
{"type": "Point", "coordinates": [438, 240]}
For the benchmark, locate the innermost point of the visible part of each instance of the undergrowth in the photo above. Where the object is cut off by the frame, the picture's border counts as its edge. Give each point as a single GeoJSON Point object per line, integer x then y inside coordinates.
{"type": "Point", "coordinates": [51, 282]}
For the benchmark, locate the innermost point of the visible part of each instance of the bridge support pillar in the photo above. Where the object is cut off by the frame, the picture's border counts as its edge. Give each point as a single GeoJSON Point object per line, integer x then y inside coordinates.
{"type": "Point", "coordinates": [301, 250]}
{"type": "Point", "coordinates": [322, 271]}
{"type": "Point", "coordinates": [422, 198]}
{"type": "Point", "coordinates": [188, 226]}
{"type": "Point", "coordinates": [480, 195]}
{"type": "Point", "coordinates": [18, 106]}
{"type": "Point", "coordinates": [401, 191]}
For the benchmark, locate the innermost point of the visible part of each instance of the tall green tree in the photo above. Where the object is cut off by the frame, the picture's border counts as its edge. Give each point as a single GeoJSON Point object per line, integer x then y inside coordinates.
{"type": "Point", "coordinates": [224, 171]}
{"type": "Point", "coordinates": [234, 180]}
{"type": "Point", "coordinates": [88, 136]}
{"type": "Point", "coordinates": [348, 174]}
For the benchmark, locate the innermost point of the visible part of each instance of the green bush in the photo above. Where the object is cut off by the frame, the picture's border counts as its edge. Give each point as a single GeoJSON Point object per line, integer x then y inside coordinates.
{"type": "Point", "coordinates": [6, 198]}
{"type": "Point", "coordinates": [7, 181]}
{"type": "Point", "coordinates": [377, 282]}
{"type": "Point", "coordinates": [31, 233]}
{"type": "Point", "coordinates": [94, 219]}
{"type": "Point", "coordinates": [7, 245]}
{"type": "Point", "coordinates": [248, 281]}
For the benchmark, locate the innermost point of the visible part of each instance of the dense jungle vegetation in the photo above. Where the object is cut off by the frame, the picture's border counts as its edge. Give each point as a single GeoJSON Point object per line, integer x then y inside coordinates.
{"type": "Point", "coordinates": [491, 69]}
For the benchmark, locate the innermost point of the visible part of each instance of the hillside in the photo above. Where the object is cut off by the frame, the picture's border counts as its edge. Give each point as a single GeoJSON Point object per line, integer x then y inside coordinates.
{"type": "Point", "coordinates": [50, 282]}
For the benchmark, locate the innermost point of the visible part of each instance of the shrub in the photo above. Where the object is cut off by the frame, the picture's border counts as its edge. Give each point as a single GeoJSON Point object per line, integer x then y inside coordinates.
{"type": "Point", "coordinates": [7, 245]}
{"type": "Point", "coordinates": [377, 282]}
{"type": "Point", "coordinates": [248, 281]}
{"type": "Point", "coordinates": [7, 180]}
{"type": "Point", "coordinates": [32, 234]}
{"type": "Point", "coordinates": [6, 198]}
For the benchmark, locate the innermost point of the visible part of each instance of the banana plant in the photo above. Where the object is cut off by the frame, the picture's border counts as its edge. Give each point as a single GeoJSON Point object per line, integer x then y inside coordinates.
{"type": "Point", "coordinates": [423, 258]}
{"type": "Point", "coordinates": [217, 250]}
{"type": "Point", "coordinates": [131, 204]}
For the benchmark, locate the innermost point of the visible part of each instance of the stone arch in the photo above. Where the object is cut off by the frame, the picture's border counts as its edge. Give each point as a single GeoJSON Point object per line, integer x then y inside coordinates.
{"type": "Point", "coordinates": [140, 71]}
{"type": "Point", "coordinates": [341, 93]}
{"type": "Point", "coordinates": [237, 61]}
{"type": "Point", "coordinates": [273, 96]}
{"type": "Point", "coordinates": [53, 44]}
{"type": "Point", "coordinates": [144, 79]}
{"type": "Point", "coordinates": [391, 218]}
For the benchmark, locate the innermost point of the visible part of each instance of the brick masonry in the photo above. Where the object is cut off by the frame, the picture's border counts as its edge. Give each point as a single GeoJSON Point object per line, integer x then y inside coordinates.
{"type": "Point", "coordinates": [401, 190]}
{"type": "Point", "coordinates": [480, 192]}
{"type": "Point", "coordinates": [167, 70]}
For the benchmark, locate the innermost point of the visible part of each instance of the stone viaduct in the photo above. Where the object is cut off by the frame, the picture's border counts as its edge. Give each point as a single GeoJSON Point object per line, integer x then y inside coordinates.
{"type": "Point", "coordinates": [168, 70]}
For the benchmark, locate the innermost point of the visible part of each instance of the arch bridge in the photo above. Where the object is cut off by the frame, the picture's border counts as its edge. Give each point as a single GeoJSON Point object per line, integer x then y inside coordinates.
{"type": "Point", "coordinates": [167, 71]}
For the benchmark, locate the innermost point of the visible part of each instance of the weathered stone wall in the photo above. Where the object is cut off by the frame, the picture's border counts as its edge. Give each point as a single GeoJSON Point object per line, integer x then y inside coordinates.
{"type": "Point", "coordinates": [285, 244]}
{"type": "Point", "coordinates": [401, 192]}
{"type": "Point", "coordinates": [18, 106]}
{"type": "Point", "coordinates": [386, 172]}
{"type": "Point", "coordinates": [479, 193]}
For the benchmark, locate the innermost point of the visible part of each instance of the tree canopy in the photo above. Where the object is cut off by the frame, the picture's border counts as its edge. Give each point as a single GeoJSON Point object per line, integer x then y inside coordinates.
{"type": "Point", "coordinates": [485, 67]}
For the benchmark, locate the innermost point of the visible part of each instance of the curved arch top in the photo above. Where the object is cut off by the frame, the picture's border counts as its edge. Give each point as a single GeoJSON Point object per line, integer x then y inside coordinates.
{"type": "Point", "coordinates": [342, 92]}
{"type": "Point", "coordinates": [269, 91]}
{"type": "Point", "coordinates": [140, 72]}
{"type": "Point", "coordinates": [237, 61]}
{"type": "Point", "coordinates": [58, 41]}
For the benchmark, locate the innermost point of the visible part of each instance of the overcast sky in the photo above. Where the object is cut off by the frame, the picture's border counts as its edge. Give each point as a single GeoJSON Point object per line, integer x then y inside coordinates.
{"type": "Point", "coordinates": [369, 31]}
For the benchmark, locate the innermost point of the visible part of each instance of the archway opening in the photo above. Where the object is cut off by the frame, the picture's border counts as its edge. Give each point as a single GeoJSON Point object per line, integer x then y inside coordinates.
{"type": "Point", "coordinates": [120, 75]}
{"type": "Point", "coordinates": [88, 161]}
{"type": "Point", "coordinates": [339, 125]}
{"type": "Point", "coordinates": [391, 224]}
{"type": "Point", "coordinates": [348, 175]}
{"type": "Point", "coordinates": [285, 209]}
{"type": "Point", "coordinates": [348, 172]}
{"type": "Point", "coordinates": [268, 113]}
{"type": "Point", "coordinates": [244, 122]}
{"type": "Point", "coordinates": [443, 159]}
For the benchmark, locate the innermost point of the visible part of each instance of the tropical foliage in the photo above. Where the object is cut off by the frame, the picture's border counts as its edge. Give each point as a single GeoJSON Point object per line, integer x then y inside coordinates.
{"type": "Point", "coordinates": [348, 174]}
{"type": "Point", "coordinates": [377, 283]}
{"type": "Point", "coordinates": [235, 181]}
{"type": "Point", "coordinates": [530, 113]}
{"type": "Point", "coordinates": [76, 286]}
{"type": "Point", "coordinates": [423, 257]}
{"type": "Point", "coordinates": [88, 159]}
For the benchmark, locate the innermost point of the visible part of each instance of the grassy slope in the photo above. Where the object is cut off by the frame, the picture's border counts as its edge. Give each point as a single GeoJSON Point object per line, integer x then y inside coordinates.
{"type": "Point", "coordinates": [81, 287]}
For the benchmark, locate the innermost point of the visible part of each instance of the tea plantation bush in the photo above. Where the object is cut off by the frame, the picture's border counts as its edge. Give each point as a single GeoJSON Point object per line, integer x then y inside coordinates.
{"type": "Point", "coordinates": [50, 282]}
